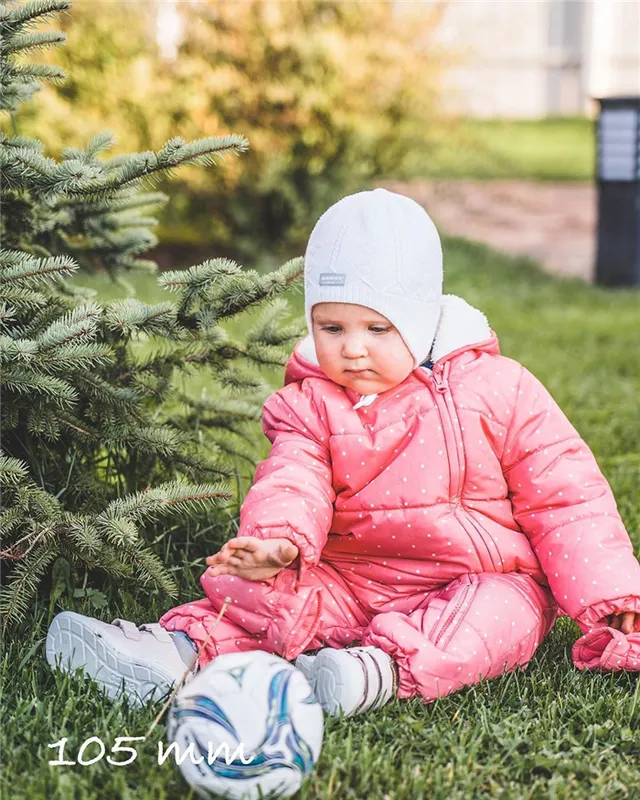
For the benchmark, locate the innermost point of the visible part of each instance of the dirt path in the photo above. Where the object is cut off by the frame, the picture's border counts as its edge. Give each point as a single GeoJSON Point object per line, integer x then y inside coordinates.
{"type": "Point", "coordinates": [554, 223]}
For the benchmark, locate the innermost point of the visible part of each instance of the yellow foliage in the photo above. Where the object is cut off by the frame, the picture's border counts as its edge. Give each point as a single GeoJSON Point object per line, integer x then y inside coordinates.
{"type": "Point", "coordinates": [330, 94]}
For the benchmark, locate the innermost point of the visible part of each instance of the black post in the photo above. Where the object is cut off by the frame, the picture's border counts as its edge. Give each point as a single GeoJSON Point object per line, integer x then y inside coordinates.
{"type": "Point", "coordinates": [618, 179]}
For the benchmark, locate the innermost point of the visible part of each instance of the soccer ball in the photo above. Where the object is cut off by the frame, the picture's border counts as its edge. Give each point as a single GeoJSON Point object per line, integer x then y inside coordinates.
{"type": "Point", "coordinates": [247, 726]}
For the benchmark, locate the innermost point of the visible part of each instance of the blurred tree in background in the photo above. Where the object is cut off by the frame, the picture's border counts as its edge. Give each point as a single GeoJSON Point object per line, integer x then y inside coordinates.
{"type": "Point", "coordinates": [331, 96]}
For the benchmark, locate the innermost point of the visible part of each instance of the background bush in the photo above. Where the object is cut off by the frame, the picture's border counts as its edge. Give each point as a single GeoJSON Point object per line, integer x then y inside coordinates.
{"type": "Point", "coordinates": [330, 95]}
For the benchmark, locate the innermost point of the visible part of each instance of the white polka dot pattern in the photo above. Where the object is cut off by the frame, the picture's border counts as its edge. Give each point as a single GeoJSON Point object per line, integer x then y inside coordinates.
{"type": "Point", "coordinates": [429, 523]}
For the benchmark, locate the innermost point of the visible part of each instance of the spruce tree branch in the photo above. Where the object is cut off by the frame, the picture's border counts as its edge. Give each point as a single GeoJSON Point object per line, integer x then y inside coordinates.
{"type": "Point", "coordinates": [65, 421]}
{"type": "Point", "coordinates": [24, 584]}
{"type": "Point", "coordinates": [33, 72]}
{"type": "Point", "coordinates": [36, 40]}
{"type": "Point", "coordinates": [31, 270]}
{"type": "Point", "coordinates": [13, 16]}
{"type": "Point", "coordinates": [144, 165]}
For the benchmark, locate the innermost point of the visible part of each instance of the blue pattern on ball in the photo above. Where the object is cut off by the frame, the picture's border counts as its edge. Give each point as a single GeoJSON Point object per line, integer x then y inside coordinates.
{"type": "Point", "coordinates": [268, 755]}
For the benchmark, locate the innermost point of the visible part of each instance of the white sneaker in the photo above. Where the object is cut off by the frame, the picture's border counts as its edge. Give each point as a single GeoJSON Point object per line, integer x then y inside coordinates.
{"type": "Point", "coordinates": [145, 658]}
{"type": "Point", "coordinates": [352, 680]}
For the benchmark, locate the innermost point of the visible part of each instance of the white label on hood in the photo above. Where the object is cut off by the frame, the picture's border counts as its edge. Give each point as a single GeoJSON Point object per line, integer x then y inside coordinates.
{"type": "Point", "coordinates": [332, 278]}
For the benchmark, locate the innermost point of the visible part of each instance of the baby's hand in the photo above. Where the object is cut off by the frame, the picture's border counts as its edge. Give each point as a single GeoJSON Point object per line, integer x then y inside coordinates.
{"type": "Point", "coordinates": [252, 558]}
{"type": "Point", "coordinates": [627, 622]}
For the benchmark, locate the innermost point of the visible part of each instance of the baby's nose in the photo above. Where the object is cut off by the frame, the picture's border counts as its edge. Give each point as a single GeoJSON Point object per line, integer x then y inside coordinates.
{"type": "Point", "coordinates": [354, 348]}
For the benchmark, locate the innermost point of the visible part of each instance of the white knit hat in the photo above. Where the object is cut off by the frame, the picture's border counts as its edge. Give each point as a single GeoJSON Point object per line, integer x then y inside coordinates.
{"type": "Point", "coordinates": [381, 250]}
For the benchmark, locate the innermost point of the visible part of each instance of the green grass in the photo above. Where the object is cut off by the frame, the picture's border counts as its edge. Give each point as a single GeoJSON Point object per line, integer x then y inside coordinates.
{"type": "Point", "coordinates": [545, 732]}
{"type": "Point", "coordinates": [561, 149]}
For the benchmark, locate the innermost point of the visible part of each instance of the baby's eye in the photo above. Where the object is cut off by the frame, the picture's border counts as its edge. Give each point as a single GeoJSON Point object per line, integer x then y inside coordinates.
{"type": "Point", "coordinates": [331, 328]}
{"type": "Point", "coordinates": [379, 330]}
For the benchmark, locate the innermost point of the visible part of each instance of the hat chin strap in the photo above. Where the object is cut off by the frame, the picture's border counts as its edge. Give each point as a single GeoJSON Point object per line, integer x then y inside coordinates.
{"type": "Point", "coordinates": [307, 350]}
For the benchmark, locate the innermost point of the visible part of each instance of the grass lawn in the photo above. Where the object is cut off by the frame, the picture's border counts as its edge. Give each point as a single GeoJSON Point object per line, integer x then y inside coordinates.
{"type": "Point", "coordinates": [555, 149]}
{"type": "Point", "coordinates": [545, 732]}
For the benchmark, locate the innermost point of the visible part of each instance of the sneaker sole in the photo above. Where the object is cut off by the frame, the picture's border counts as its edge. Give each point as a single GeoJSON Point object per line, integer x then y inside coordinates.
{"type": "Point", "coordinates": [306, 666]}
{"type": "Point", "coordinates": [75, 641]}
{"type": "Point", "coordinates": [331, 680]}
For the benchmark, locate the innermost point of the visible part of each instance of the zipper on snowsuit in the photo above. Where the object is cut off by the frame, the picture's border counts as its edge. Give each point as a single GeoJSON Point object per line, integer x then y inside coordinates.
{"type": "Point", "coordinates": [441, 382]}
{"type": "Point", "coordinates": [463, 599]}
{"type": "Point", "coordinates": [440, 375]}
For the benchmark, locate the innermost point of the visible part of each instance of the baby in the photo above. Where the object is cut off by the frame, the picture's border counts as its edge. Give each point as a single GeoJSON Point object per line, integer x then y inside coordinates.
{"type": "Point", "coordinates": [426, 510]}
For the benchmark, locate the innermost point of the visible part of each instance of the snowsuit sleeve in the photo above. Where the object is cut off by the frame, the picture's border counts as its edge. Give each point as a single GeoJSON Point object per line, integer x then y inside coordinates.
{"type": "Point", "coordinates": [565, 506]}
{"type": "Point", "coordinates": [292, 494]}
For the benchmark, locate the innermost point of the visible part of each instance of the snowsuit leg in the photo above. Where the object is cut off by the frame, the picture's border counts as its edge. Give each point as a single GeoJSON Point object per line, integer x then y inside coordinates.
{"type": "Point", "coordinates": [280, 615]}
{"type": "Point", "coordinates": [478, 626]}
{"type": "Point", "coordinates": [196, 618]}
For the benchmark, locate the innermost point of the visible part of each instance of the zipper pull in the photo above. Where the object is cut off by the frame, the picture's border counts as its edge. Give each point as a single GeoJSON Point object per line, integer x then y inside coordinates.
{"type": "Point", "coordinates": [365, 400]}
{"type": "Point", "coordinates": [439, 381]}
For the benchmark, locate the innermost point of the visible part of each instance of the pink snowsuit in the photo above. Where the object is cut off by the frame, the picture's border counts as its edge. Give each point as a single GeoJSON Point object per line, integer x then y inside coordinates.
{"type": "Point", "coordinates": [448, 521]}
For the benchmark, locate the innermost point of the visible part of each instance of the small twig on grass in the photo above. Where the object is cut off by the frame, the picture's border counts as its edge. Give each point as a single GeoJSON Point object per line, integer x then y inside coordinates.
{"type": "Point", "coordinates": [227, 601]}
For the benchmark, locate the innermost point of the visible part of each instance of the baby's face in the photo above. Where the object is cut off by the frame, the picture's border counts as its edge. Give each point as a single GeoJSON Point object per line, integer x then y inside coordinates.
{"type": "Point", "coordinates": [350, 337]}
